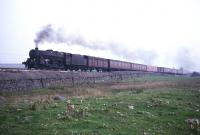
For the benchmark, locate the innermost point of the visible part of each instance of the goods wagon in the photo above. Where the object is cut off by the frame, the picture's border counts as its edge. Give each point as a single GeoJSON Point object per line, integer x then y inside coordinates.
{"type": "Point", "coordinates": [138, 67]}
{"type": "Point", "coordinates": [97, 63]}
{"type": "Point", "coordinates": [151, 68]}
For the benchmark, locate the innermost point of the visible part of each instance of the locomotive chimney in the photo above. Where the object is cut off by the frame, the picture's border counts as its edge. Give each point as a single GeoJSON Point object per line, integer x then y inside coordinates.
{"type": "Point", "coordinates": [36, 46]}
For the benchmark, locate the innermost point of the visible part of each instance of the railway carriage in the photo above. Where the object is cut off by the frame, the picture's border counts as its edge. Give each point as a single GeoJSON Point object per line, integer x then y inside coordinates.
{"type": "Point", "coordinates": [98, 63]}
{"type": "Point", "coordinates": [160, 69]}
{"type": "Point", "coordinates": [138, 67]}
{"type": "Point", "coordinates": [151, 68]}
{"type": "Point", "coordinates": [119, 65]}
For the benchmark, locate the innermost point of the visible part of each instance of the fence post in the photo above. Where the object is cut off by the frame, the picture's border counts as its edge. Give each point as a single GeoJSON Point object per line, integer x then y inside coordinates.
{"type": "Point", "coordinates": [93, 80]}
{"type": "Point", "coordinates": [72, 81]}
{"type": "Point", "coordinates": [42, 83]}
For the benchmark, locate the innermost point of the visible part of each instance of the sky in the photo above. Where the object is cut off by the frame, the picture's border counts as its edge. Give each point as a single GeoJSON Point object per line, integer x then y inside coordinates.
{"type": "Point", "coordinates": [154, 32]}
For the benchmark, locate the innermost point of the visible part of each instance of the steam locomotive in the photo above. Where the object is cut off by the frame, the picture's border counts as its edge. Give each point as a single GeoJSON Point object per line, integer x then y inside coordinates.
{"type": "Point", "coordinates": [50, 59]}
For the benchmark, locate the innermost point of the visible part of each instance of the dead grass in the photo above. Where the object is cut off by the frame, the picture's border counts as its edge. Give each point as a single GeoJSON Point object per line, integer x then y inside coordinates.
{"type": "Point", "coordinates": [68, 92]}
{"type": "Point", "coordinates": [98, 90]}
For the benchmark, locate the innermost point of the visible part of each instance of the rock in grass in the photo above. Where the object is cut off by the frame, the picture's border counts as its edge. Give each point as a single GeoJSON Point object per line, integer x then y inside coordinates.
{"type": "Point", "coordinates": [131, 107]}
{"type": "Point", "coordinates": [145, 133]}
{"type": "Point", "coordinates": [2, 99]}
{"type": "Point", "coordinates": [59, 98]}
{"type": "Point", "coordinates": [18, 109]}
{"type": "Point", "coordinates": [70, 107]}
{"type": "Point", "coordinates": [27, 118]}
{"type": "Point", "coordinates": [121, 114]}
{"type": "Point", "coordinates": [192, 123]}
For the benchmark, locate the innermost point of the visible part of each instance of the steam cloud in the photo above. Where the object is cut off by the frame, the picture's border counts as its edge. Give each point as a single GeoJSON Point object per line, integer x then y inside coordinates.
{"type": "Point", "coordinates": [184, 58]}
{"type": "Point", "coordinates": [51, 35]}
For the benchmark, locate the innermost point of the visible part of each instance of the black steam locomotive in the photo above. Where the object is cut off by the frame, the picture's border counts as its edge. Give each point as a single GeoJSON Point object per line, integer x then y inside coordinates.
{"type": "Point", "coordinates": [50, 59]}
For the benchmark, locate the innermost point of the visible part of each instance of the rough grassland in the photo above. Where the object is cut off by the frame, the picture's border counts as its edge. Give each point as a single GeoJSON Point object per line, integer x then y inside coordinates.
{"type": "Point", "coordinates": [150, 111]}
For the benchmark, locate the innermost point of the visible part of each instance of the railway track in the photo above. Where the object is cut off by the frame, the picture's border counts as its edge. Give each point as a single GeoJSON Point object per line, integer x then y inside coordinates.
{"type": "Point", "coordinates": [13, 69]}
{"type": "Point", "coordinates": [137, 73]}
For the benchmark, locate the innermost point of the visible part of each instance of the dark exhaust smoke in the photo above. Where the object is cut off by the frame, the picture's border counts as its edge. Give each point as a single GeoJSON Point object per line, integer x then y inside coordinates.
{"type": "Point", "coordinates": [52, 35]}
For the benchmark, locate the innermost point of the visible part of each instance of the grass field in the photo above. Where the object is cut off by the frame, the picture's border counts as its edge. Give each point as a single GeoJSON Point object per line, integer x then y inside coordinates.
{"type": "Point", "coordinates": [160, 110]}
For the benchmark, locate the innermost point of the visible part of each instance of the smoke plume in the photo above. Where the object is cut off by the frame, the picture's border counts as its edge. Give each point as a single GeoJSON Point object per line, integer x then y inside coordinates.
{"type": "Point", "coordinates": [184, 58]}
{"type": "Point", "coordinates": [52, 35]}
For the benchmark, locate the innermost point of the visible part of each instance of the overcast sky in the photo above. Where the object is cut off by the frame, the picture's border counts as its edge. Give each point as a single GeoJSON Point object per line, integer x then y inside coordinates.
{"type": "Point", "coordinates": [156, 32]}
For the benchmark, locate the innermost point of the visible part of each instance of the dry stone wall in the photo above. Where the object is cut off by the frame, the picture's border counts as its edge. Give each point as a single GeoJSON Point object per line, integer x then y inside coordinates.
{"type": "Point", "coordinates": [28, 80]}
